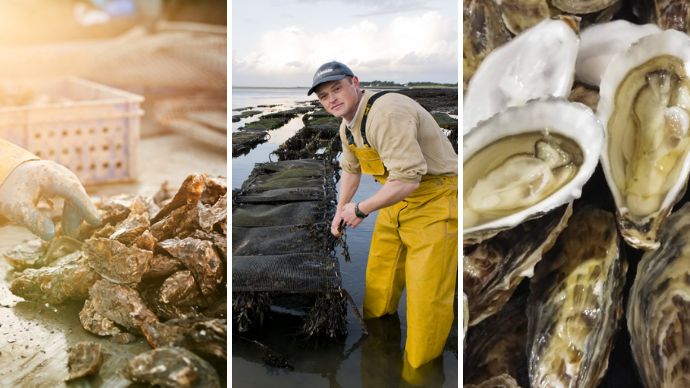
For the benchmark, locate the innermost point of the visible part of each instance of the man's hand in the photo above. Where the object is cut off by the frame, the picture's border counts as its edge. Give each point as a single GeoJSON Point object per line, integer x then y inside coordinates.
{"type": "Point", "coordinates": [36, 179]}
{"type": "Point", "coordinates": [348, 215]}
{"type": "Point", "coordinates": [337, 224]}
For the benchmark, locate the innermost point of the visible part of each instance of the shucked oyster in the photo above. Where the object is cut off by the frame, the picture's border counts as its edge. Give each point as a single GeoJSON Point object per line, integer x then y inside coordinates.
{"type": "Point", "coordinates": [659, 307]}
{"type": "Point", "coordinates": [525, 162]}
{"type": "Point", "coordinates": [537, 63]}
{"type": "Point", "coordinates": [575, 303]}
{"type": "Point", "coordinates": [645, 109]}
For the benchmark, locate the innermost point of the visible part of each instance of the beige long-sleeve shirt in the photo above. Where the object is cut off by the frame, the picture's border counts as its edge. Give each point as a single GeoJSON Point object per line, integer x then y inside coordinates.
{"type": "Point", "coordinates": [406, 137]}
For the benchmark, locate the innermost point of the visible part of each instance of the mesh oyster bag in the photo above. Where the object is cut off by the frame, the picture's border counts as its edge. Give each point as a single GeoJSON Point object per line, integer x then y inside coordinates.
{"type": "Point", "coordinates": [281, 221]}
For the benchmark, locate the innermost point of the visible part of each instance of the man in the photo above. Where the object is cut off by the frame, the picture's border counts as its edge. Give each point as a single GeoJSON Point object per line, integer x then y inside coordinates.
{"type": "Point", "coordinates": [24, 179]}
{"type": "Point", "coordinates": [414, 244]}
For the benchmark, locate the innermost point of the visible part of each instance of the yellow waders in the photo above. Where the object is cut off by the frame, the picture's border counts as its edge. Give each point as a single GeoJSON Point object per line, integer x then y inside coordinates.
{"type": "Point", "coordinates": [414, 245]}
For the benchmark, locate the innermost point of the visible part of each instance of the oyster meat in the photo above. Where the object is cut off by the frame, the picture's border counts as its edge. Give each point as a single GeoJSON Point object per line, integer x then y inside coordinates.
{"type": "Point", "coordinates": [525, 162]}
{"type": "Point", "coordinates": [644, 106]}
{"type": "Point", "coordinates": [659, 307]}
{"type": "Point", "coordinates": [539, 62]}
{"type": "Point", "coordinates": [575, 303]}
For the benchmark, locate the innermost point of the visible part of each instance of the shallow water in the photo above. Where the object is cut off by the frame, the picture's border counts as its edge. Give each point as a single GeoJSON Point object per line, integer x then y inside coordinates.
{"type": "Point", "coordinates": [358, 361]}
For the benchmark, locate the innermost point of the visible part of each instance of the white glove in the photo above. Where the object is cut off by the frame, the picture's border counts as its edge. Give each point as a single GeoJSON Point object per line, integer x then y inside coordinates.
{"type": "Point", "coordinates": [36, 179]}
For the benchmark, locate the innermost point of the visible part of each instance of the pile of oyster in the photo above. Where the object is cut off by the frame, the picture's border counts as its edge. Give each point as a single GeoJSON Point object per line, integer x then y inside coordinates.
{"type": "Point", "coordinates": [155, 267]}
{"type": "Point", "coordinates": [576, 150]}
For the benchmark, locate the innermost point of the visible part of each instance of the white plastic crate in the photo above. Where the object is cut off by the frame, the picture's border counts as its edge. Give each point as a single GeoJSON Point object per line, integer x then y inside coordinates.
{"type": "Point", "coordinates": [90, 128]}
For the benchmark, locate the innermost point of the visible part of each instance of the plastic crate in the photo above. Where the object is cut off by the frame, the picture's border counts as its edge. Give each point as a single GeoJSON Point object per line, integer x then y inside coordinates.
{"type": "Point", "coordinates": [90, 128]}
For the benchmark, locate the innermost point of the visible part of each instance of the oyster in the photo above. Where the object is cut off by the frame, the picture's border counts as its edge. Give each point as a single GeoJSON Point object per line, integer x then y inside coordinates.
{"type": "Point", "coordinates": [525, 162]}
{"type": "Point", "coordinates": [644, 106]}
{"type": "Point", "coordinates": [493, 269]}
{"type": "Point", "coordinates": [575, 303]}
{"type": "Point", "coordinates": [68, 278]}
{"type": "Point", "coordinates": [501, 381]}
{"type": "Point", "coordinates": [659, 307]}
{"type": "Point", "coordinates": [537, 63]}
{"type": "Point", "coordinates": [673, 14]}
{"type": "Point", "coordinates": [583, 6]}
{"type": "Point", "coordinates": [172, 367]}
{"type": "Point", "coordinates": [497, 345]}
{"type": "Point", "coordinates": [85, 359]}
{"type": "Point", "coordinates": [483, 31]}
{"type": "Point", "coordinates": [519, 15]}
{"type": "Point", "coordinates": [601, 42]}
{"type": "Point", "coordinates": [116, 261]}
{"type": "Point", "coordinates": [120, 304]}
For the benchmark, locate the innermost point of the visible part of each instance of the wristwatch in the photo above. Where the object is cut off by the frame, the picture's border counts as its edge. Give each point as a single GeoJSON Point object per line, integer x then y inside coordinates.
{"type": "Point", "coordinates": [359, 213]}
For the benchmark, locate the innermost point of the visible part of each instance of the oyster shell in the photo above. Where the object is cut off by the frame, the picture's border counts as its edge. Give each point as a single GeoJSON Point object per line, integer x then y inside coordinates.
{"type": "Point", "coordinates": [601, 42]}
{"type": "Point", "coordinates": [519, 15]}
{"type": "Point", "coordinates": [493, 269]}
{"type": "Point", "coordinates": [525, 162]}
{"type": "Point", "coordinates": [673, 14]}
{"type": "Point", "coordinates": [659, 307]}
{"type": "Point", "coordinates": [575, 303]}
{"type": "Point", "coordinates": [497, 345]}
{"type": "Point", "coordinates": [483, 31]}
{"type": "Point", "coordinates": [644, 106]}
{"type": "Point", "coordinates": [583, 6]}
{"type": "Point", "coordinates": [537, 63]}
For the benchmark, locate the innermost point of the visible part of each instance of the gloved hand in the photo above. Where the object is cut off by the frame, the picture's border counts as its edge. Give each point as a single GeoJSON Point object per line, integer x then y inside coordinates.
{"type": "Point", "coordinates": [36, 179]}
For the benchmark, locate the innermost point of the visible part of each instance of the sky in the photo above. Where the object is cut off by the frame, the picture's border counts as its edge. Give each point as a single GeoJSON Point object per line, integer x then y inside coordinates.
{"type": "Point", "coordinates": [282, 42]}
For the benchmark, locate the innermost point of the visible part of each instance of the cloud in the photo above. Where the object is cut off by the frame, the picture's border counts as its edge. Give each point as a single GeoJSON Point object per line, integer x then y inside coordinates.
{"type": "Point", "coordinates": [406, 46]}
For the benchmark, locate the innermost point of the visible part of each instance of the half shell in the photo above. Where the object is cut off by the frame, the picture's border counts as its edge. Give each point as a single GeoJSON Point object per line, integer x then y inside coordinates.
{"type": "Point", "coordinates": [525, 162]}
{"type": "Point", "coordinates": [644, 106]}
{"type": "Point", "coordinates": [537, 63]}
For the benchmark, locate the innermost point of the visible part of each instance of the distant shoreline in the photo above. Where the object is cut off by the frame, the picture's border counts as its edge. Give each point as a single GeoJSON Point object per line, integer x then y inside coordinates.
{"type": "Point", "coordinates": [363, 87]}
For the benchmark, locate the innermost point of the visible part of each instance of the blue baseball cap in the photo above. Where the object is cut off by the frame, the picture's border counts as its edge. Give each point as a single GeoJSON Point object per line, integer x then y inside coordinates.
{"type": "Point", "coordinates": [331, 71]}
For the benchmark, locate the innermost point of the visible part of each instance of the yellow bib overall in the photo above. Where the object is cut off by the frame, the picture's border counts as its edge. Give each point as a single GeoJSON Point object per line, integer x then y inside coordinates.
{"type": "Point", "coordinates": [414, 245]}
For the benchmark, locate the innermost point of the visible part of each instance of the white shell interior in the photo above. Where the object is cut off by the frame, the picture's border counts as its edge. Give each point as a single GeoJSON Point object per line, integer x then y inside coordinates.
{"type": "Point", "coordinates": [539, 62]}
{"type": "Point", "coordinates": [573, 120]}
{"type": "Point", "coordinates": [600, 42]}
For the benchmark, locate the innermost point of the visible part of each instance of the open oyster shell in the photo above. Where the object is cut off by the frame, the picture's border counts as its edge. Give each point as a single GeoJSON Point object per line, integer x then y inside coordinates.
{"type": "Point", "coordinates": [537, 63]}
{"type": "Point", "coordinates": [524, 162]}
{"type": "Point", "coordinates": [659, 307]}
{"type": "Point", "coordinates": [575, 303]}
{"type": "Point", "coordinates": [644, 106]}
